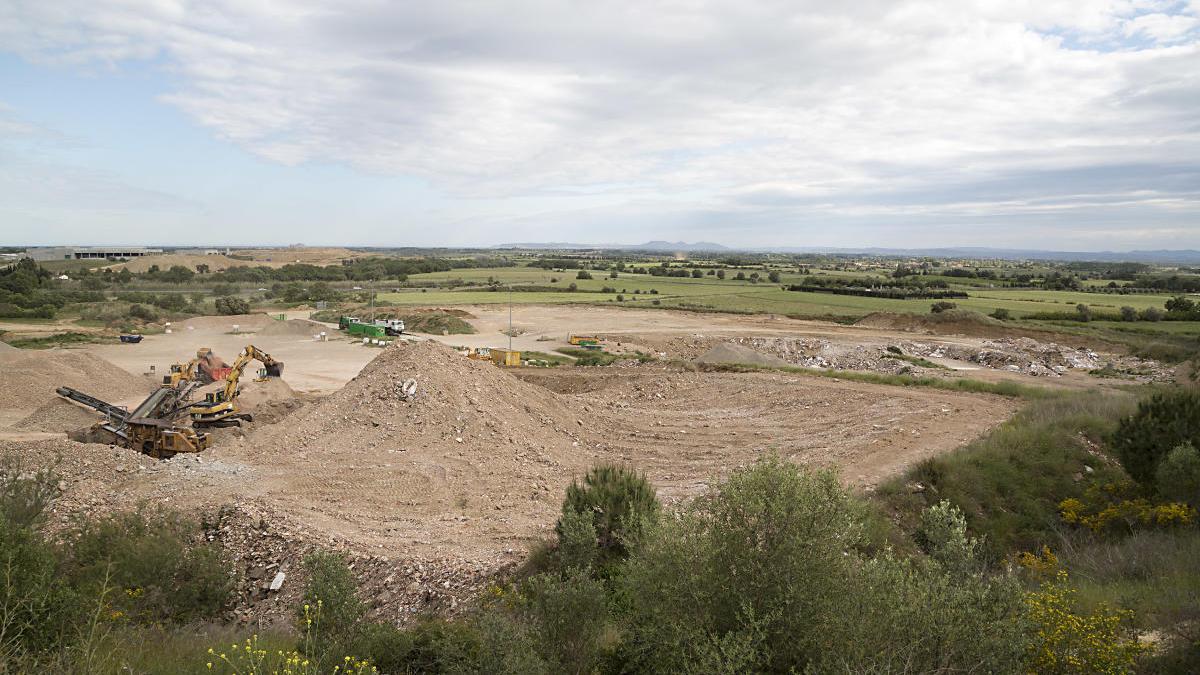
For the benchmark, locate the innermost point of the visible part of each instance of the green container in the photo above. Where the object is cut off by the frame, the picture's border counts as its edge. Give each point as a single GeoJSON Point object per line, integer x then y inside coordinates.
{"type": "Point", "coordinates": [366, 330]}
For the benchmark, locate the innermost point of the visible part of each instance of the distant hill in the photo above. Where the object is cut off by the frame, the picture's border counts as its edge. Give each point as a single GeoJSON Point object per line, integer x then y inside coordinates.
{"type": "Point", "coordinates": [1165, 257]}
{"type": "Point", "coordinates": [667, 246]}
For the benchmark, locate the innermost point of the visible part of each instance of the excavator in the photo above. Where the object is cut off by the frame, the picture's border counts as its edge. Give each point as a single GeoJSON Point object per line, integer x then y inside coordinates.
{"type": "Point", "coordinates": [181, 372]}
{"type": "Point", "coordinates": [219, 408]}
{"type": "Point", "coordinates": [205, 368]}
{"type": "Point", "coordinates": [148, 427]}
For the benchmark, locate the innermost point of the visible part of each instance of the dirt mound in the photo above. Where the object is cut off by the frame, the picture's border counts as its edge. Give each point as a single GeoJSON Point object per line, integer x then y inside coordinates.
{"type": "Point", "coordinates": [953, 321]}
{"type": "Point", "coordinates": [456, 398]}
{"type": "Point", "coordinates": [246, 323]}
{"type": "Point", "coordinates": [296, 327]}
{"type": "Point", "coordinates": [58, 415]}
{"type": "Point", "coordinates": [734, 353]}
{"type": "Point", "coordinates": [472, 443]}
{"type": "Point", "coordinates": [30, 377]}
{"type": "Point", "coordinates": [5, 347]}
{"type": "Point", "coordinates": [254, 394]}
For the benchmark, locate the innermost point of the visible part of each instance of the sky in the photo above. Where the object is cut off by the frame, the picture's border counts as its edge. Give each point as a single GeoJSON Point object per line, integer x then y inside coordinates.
{"type": "Point", "coordinates": [1046, 124]}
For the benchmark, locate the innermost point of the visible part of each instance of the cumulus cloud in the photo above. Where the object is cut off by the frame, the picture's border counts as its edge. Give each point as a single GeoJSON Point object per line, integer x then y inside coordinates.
{"type": "Point", "coordinates": [755, 104]}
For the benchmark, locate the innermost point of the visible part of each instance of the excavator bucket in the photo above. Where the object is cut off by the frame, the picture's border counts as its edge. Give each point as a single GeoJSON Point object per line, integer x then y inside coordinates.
{"type": "Point", "coordinates": [274, 370]}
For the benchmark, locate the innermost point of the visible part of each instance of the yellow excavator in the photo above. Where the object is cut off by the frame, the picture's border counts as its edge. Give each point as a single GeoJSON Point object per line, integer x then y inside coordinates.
{"type": "Point", "coordinates": [219, 408]}
{"type": "Point", "coordinates": [181, 372]}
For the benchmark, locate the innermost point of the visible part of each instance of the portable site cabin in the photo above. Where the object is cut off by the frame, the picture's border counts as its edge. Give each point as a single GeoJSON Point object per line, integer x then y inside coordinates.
{"type": "Point", "coordinates": [506, 357]}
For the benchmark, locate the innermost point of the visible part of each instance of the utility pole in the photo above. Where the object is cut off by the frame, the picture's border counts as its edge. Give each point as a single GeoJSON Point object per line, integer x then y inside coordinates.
{"type": "Point", "coordinates": [510, 317]}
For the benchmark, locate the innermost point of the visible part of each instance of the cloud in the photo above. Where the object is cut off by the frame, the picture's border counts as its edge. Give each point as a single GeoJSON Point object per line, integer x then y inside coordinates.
{"type": "Point", "coordinates": [849, 105]}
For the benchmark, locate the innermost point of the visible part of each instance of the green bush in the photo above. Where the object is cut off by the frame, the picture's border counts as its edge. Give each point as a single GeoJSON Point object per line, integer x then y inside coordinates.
{"type": "Point", "coordinates": [568, 615]}
{"type": "Point", "coordinates": [620, 502]}
{"type": "Point", "coordinates": [1160, 424]}
{"type": "Point", "coordinates": [229, 305]}
{"type": "Point", "coordinates": [1001, 314]}
{"type": "Point", "coordinates": [942, 306]}
{"type": "Point", "coordinates": [164, 572]}
{"type": "Point", "coordinates": [1178, 475]}
{"type": "Point", "coordinates": [768, 574]}
{"type": "Point", "coordinates": [331, 611]}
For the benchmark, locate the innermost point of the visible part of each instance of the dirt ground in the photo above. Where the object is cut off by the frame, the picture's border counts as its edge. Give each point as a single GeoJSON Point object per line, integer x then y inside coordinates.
{"type": "Point", "coordinates": [445, 487]}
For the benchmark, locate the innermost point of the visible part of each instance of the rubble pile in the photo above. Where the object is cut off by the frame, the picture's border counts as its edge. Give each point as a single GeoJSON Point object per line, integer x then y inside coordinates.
{"type": "Point", "coordinates": [267, 549]}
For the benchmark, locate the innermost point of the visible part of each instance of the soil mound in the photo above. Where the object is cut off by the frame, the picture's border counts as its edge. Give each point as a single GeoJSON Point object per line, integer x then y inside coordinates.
{"type": "Point", "coordinates": [31, 376]}
{"type": "Point", "coordinates": [296, 327]}
{"type": "Point", "coordinates": [471, 457]}
{"type": "Point", "coordinates": [254, 394]}
{"type": "Point", "coordinates": [58, 415]}
{"type": "Point", "coordinates": [5, 347]}
{"type": "Point", "coordinates": [735, 353]}
{"type": "Point", "coordinates": [960, 321]}
{"type": "Point", "coordinates": [458, 402]}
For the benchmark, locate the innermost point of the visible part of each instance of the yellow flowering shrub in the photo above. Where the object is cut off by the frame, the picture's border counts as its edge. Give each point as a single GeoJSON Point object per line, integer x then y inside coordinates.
{"type": "Point", "coordinates": [1040, 565]}
{"type": "Point", "coordinates": [1069, 642]}
{"type": "Point", "coordinates": [1115, 505]}
{"type": "Point", "coordinates": [249, 658]}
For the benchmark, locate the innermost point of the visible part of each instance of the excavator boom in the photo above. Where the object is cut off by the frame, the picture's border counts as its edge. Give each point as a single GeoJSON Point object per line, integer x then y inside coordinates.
{"type": "Point", "coordinates": [219, 409]}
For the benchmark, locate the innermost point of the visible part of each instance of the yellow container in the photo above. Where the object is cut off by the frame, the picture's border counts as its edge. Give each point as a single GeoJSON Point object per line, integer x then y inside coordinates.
{"type": "Point", "coordinates": [506, 358]}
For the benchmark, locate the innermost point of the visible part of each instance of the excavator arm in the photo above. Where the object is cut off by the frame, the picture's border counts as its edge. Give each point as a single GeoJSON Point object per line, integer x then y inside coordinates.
{"type": "Point", "coordinates": [218, 408]}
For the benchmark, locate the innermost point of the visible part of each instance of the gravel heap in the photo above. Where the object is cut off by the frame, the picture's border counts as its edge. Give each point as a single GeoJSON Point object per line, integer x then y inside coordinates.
{"type": "Point", "coordinates": [31, 376]}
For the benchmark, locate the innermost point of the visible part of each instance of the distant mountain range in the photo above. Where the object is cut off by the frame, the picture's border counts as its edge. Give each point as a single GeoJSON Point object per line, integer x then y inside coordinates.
{"type": "Point", "coordinates": [1180, 257]}
{"type": "Point", "coordinates": [648, 246]}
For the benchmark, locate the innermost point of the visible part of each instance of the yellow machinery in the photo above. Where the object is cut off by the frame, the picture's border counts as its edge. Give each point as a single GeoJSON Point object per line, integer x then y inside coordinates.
{"type": "Point", "coordinates": [480, 354]}
{"type": "Point", "coordinates": [148, 428]}
{"type": "Point", "coordinates": [181, 372]}
{"type": "Point", "coordinates": [219, 408]}
{"type": "Point", "coordinates": [584, 339]}
{"type": "Point", "coordinates": [506, 357]}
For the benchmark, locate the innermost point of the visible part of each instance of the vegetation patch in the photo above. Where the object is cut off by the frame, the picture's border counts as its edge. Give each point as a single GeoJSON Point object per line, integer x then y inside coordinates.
{"type": "Point", "coordinates": [589, 357]}
{"type": "Point", "coordinates": [65, 339]}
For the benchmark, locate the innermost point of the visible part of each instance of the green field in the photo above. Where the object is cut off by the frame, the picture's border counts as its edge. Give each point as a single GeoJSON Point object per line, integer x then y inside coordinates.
{"type": "Point", "coordinates": [728, 295]}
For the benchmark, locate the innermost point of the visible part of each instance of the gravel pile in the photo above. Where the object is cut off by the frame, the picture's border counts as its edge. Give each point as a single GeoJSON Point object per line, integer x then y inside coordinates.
{"type": "Point", "coordinates": [31, 376]}
{"type": "Point", "coordinates": [58, 415]}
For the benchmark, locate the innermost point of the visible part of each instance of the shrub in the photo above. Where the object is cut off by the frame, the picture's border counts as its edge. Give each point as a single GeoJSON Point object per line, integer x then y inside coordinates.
{"type": "Point", "coordinates": [1067, 641]}
{"type": "Point", "coordinates": [1178, 475]}
{"type": "Point", "coordinates": [766, 574]}
{"type": "Point", "coordinates": [569, 615]}
{"type": "Point", "coordinates": [142, 312]}
{"type": "Point", "coordinates": [943, 535]}
{"type": "Point", "coordinates": [1160, 424]}
{"type": "Point", "coordinates": [583, 274]}
{"type": "Point", "coordinates": [1151, 314]}
{"type": "Point", "coordinates": [620, 298]}
{"type": "Point", "coordinates": [1129, 313]}
{"type": "Point", "coordinates": [154, 558]}
{"type": "Point", "coordinates": [223, 290]}
{"type": "Point", "coordinates": [1001, 314]}
{"type": "Point", "coordinates": [331, 610]}
{"type": "Point", "coordinates": [941, 306]}
{"type": "Point", "coordinates": [620, 502]}
{"type": "Point", "coordinates": [229, 305]}
{"type": "Point", "coordinates": [1084, 312]}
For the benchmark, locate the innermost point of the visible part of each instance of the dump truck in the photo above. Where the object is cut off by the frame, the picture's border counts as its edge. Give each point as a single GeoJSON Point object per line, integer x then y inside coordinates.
{"type": "Point", "coordinates": [345, 321]}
